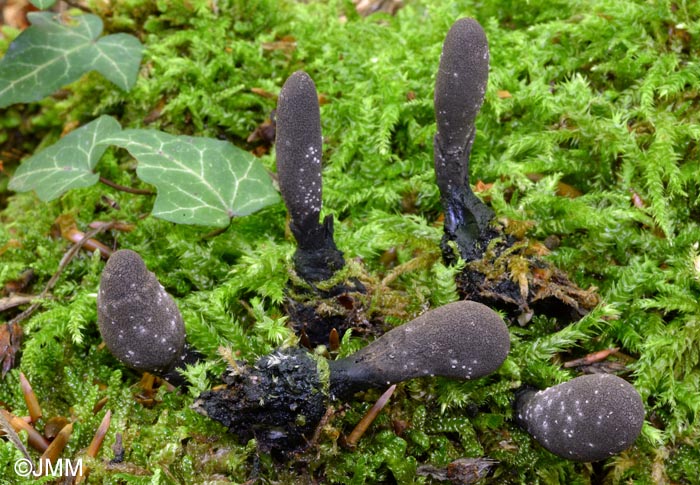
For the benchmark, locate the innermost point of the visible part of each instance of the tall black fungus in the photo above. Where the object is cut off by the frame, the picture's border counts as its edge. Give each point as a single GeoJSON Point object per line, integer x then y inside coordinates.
{"type": "Point", "coordinates": [459, 92]}
{"type": "Point", "coordinates": [588, 418]}
{"type": "Point", "coordinates": [298, 148]}
{"type": "Point", "coordinates": [283, 396]}
{"type": "Point", "coordinates": [139, 322]}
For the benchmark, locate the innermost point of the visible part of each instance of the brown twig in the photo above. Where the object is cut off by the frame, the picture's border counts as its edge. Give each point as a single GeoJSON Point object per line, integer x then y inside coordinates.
{"type": "Point", "coordinates": [369, 418]}
{"type": "Point", "coordinates": [591, 358]}
{"type": "Point", "coordinates": [74, 4]}
{"type": "Point", "coordinates": [61, 267]}
{"type": "Point", "coordinates": [124, 188]}
{"type": "Point", "coordinates": [14, 301]}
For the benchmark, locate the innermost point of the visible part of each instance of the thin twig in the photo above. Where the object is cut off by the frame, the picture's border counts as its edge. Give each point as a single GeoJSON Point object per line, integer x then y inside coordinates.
{"type": "Point", "coordinates": [74, 4]}
{"type": "Point", "coordinates": [61, 266]}
{"type": "Point", "coordinates": [124, 188]}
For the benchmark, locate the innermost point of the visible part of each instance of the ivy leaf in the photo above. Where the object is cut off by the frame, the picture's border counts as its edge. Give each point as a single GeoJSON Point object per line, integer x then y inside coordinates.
{"type": "Point", "coordinates": [67, 164]}
{"type": "Point", "coordinates": [52, 53]}
{"type": "Point", "coordinates": [119, 57]}
{"type": "Point", "coordinates": [42, 4]}
{"type": "Point", "coordinates": [199, 180]}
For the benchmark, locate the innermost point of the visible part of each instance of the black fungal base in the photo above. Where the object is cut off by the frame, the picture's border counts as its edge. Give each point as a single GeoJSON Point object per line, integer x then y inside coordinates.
{"type": "Point", "coordinates": [467, 218]}
{"type": "Point", "coordinates": [512, 277]}
{"type": "Point", "coordinates": [279, 401]}
{"type": "Point", "coordinates": [314, 314]}
{"type": "Point", "coordinates": [317, 257]}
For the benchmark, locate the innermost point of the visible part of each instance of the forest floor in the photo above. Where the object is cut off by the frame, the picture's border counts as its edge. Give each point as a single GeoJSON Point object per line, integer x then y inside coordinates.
{"type": "Point", "coordinates": [587, 141]}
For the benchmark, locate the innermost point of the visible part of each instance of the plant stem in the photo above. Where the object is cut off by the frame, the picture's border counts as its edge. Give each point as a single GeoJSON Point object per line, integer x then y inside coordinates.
{"type": "Point", "coordinates": [123, 188]}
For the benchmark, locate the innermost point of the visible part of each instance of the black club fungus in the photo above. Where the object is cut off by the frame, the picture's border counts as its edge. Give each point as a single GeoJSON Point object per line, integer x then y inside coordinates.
{"type": "Point", "coordinates": [283, 396]}
{"type": "Point", "coordinates": [298, 148]}
{"type": "Point", "coordinates": [460, 87]}
{"type": "Point", "coordinates": [462, 340]}
{"type": "Point", "coordinates": [139, 322]}
{"type": "Point", "coordinates": [586, 419]}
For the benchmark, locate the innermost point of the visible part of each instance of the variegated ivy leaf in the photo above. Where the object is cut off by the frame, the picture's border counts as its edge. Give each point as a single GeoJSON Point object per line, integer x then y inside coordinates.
{"type": "Point", "coordinates": [55, 51]}
{"type": "Point", "coordinates": [42, 4]}
{"type": "Point", "coordinates": [67, 164]}
{"type": "Point", "coordinates": [199, 180]}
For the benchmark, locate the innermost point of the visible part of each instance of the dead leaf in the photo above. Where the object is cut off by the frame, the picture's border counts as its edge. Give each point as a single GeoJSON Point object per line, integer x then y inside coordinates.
{"type": "Point", "coordinates": [10, 340]}
{"type": "Point", "coordinates": [368, 7]}
{"type": "Point", "coordinates": [287, 44]}
{"type": "Point", "coordinates": [14, 13]}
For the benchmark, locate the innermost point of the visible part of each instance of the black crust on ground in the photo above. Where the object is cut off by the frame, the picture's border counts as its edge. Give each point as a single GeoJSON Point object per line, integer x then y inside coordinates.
{"type": "Point", "coordinates": [549, 291]}
{"type": "Point", "coordinates": [279, 401]}
{"type": "Point", "coordinates": [315, 314]}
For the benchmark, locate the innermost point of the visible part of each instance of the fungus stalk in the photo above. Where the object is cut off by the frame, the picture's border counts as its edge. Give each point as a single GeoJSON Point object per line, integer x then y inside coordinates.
{"type": "Point", "coordinates": [281, 398]}
{"type": "Point", "coordinates": [298, 148]}
{"type": "Point", "coordinates": [586, 419]}
{"type": "Point", "coordinates": [139, 322]}
{"type": "Point", "coordinates": [459, 92]}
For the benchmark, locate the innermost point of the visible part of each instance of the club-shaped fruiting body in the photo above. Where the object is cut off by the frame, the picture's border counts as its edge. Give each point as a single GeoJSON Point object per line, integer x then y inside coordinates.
{"type": "Point", "coordinates": [461, 340]}
{"type": "Point", "coordinates": [298, 148]}
{"type": "Point", "coordinates": [282, 397]}
{"type": "Point", "coordinates": [588, 418]}
{"type": "Point", "coordinates": [459, 92]}
{"type": "Point", "coordinates": [139, 322]}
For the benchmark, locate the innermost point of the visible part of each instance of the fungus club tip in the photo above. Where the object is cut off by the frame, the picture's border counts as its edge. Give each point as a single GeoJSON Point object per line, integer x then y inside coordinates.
{"type": "Point", "coordinates": [586, 419]}
{"type": "Point", "coordinates": [461, 340]}
{"type": "Point", "coordinates": [139, 322]}
{"type": "Point", "coordinates": [298, 148]}
{"type": "Point", "coordinates": [461, 83]}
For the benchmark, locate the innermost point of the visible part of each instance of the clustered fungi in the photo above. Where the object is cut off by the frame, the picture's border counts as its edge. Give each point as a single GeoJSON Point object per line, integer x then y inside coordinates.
{"type": "Point", "coordinates": [281, 399]}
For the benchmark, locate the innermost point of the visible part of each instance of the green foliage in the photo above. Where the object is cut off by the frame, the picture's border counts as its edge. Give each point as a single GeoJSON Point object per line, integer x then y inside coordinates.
{"type": "Point", "coordinates": [56, 51]}
{"type": "Point", "coordinates": [67, 164]}
{"type": "Point", "coordinates": [43, 4]}
{"type": "Point", "coordinates": [199, 180]}
{"type": "Point", "coordinates": [600, 95]}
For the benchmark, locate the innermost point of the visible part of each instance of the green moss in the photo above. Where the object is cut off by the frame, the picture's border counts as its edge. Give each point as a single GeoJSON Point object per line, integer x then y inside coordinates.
{"type": "Point", "coordinates": [600, 95]}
